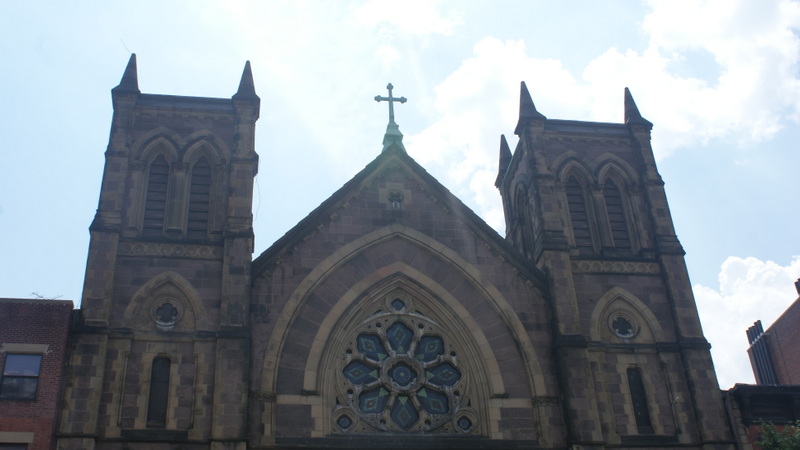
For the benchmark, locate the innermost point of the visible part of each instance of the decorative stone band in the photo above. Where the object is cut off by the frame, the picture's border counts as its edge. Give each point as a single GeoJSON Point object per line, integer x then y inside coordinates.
{"type": "Point", "coordinates": [162, 249]}
{"type": "Point", "coordinates": [589, 266]}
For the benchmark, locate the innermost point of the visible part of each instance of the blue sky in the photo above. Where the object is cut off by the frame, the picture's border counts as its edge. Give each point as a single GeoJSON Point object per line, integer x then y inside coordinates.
{"type": "Point", "coordinates": [719, 79]}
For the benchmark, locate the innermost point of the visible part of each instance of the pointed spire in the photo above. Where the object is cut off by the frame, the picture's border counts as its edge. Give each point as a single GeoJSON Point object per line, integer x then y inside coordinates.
{"type": "Point", "coordinates": [505, 160]}
{"type": "Point", "coordinates": [632, 115]}
{"type": "Point", "coordinates": [527, 110]}
{"type": "Point", "coordinates": [130, 79]}
{"type": "Point", "coordinates": [247, 88]}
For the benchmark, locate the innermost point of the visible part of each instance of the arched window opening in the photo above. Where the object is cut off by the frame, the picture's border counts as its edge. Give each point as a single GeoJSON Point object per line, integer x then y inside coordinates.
{"type": "Point", "coordinates": [616, 216]}
{"type": "Point", "coordinates": [156, 200]}
{"type": "Point", "coordinates": [639, 400]}
{"type": "Point", "coordinates": [159, 393]}
{"type": "Point", "coordinates": [578, 214]}
{"type": "Point", "coordinates": [199, 200]}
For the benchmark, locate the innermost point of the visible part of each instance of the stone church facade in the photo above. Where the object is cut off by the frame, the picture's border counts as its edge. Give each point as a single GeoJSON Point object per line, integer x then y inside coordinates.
{"type": "Point", "coordinates": [392, 315]}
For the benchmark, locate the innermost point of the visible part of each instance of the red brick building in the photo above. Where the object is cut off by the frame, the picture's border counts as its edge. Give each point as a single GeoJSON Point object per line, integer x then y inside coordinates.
{"type": "Point", "coordinates": [33, 351]}
{"type": "Point", "coordinates": [775, 353]}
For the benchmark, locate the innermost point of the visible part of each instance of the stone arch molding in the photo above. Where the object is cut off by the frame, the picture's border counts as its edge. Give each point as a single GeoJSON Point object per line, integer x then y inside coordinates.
{"type": "Point", "coordinates": [182, 149]}
{"type": "Point", "coordinates": [191, 314]}
{"type": "Point", "coordinates": [619, 303]}
{"type": "Point", "coordinates": [338, 258]}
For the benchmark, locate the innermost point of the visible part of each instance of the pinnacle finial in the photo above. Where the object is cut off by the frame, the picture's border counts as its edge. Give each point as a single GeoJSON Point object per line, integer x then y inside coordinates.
{"type": "Point", "coordinates": [505, 161]}
{"type": "Point", "coordinates": [247, 88]}
{"type": "Point", "coordinates": [130, 79]}
{"type": "Point", "coordinates": [527, 110]}
{"type": "Point", "coordinates": [632, 114]}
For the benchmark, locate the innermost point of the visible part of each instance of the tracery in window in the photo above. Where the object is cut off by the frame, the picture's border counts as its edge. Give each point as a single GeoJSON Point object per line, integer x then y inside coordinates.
{"type": "Point", "coordinates": [401, 373]}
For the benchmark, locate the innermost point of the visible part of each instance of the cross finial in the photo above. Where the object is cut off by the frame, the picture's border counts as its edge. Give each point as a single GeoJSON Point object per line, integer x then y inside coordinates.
{"type": "Point", "coordinates": [391, 101]}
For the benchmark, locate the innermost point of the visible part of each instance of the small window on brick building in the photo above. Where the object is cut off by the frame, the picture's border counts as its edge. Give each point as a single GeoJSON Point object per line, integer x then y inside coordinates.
{"type": "Point", "coordinates": [20, 377]}
{"type": "Point", "coordinates": [159, 393]}
{"type": "Point", "coordinates": [639, 400]}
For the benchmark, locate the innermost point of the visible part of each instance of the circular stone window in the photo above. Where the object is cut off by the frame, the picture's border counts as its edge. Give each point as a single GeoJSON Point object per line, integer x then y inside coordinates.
{"type": "Point", "coordinates": [166, 312]}
{"type": "Point", "coordinates": [623, 325]}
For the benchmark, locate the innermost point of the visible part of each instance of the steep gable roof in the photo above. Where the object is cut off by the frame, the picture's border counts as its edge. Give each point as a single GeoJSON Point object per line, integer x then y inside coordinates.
{"type": "Point", "coordinates": [394, 157]}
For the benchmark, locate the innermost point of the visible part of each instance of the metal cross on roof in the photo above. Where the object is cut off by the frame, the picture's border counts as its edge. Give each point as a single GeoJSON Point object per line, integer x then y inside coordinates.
{"type": "Point", "coordinates": [391, 101]}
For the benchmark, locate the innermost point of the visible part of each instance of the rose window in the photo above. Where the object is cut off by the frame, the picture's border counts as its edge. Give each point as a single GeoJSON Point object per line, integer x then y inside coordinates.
{"type": "Point", "coordinates": [398, 374]}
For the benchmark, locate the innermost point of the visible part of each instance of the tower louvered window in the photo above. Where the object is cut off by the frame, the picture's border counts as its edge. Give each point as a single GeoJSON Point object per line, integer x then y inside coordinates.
{"type": "Point", "coordinates": [159, 393]}
{"type": "Point", "coordinates": [578, 214]}
{"type": "Point", "coordinates": [156, 200]}
{"type": "Point", "coordinates": [616, 216]}
{"type": "Point", "coordinates": [199, 199]}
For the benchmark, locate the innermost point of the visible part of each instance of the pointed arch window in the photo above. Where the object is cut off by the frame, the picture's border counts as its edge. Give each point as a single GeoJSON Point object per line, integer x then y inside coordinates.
{"type": "Point", "coordinates": [159, 393]}
{"type": "Point", "coordinates": [578, 214]}
{"type": "Point", "coordinates": [199, 200]}
{"type": "Point", "coordinates": [639, 400]}
{"type": "Point", "coordinates": [616, 216]}
{"type": "Point", "coordinates": [156, 200]}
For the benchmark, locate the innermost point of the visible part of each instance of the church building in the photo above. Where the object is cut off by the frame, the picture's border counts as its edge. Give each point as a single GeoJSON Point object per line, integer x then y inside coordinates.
{"type": "Point", "coordinates": [392, 316]}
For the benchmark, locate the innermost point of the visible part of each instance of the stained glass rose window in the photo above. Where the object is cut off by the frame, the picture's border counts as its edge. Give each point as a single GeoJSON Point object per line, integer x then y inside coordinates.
{"type": "Point", "coordinates": [400, 374]}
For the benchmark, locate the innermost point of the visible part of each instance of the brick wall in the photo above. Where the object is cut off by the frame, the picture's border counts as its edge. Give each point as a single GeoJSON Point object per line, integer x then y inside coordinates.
{"type": "Point", "coordinates": [784, 343]}
{"type": "Point", "coordinates": [34, 327]}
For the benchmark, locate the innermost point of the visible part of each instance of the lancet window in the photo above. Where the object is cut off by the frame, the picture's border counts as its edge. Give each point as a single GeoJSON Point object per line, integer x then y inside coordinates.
{"type": "Point", "coordinates": [199, 199]}
{"type": "Point", "coordinates": [159, 393]}
{"type": "Point", "coordinates": [578, 214]}
{"type": "Point", "coordinates": [156, 199]}
{"type": "Point", "coordinates": [639, 400]}
{"type": "Point", "coordinates": [616, 216]}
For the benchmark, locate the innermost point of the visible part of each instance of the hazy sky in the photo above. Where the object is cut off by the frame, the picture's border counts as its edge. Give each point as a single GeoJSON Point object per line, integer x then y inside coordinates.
{"type": "Point", "coordinates": [719, 79]}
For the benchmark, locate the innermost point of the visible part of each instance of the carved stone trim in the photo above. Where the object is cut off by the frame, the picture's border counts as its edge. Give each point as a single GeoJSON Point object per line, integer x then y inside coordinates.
{"type": "Point", "coordinates": [589, 266]}
{"type": "Point", "coordinates": [163, 249]}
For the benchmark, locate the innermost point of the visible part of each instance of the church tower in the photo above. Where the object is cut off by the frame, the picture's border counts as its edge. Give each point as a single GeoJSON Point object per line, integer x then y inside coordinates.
{"type": "Point", "coordinates": [585, 203]}
{"type": "Point", "coordinates": [163, 346]}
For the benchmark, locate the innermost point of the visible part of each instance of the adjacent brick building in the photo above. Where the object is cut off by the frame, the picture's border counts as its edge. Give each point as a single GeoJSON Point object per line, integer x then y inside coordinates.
{"type": "Point", "coordinates": [33, 351]}
{"type": "Point", "coordinates": [775, 353]}
{"type": "Point", "coordinates": [392, 315]}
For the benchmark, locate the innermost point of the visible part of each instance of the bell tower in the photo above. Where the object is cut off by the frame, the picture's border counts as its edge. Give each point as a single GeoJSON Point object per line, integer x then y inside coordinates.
{"type": "Point", "coordinates": [584, 202]}
{"type": "Point", "coordinates": [166, 292]}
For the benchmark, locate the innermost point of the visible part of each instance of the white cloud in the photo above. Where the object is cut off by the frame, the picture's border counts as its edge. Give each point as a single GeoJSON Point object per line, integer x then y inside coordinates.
{"type": "Point", "coordinates": [749, 290]}
{"type": "Point", "coordinates": [414, 17]}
